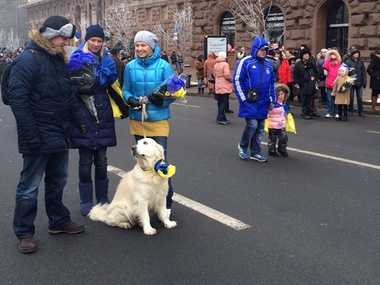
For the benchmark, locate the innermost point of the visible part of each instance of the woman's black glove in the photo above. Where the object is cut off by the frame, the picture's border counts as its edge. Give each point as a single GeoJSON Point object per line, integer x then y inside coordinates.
{"type": "Point", "coordinates": [156, 99]}
{"type": "Point", "coordinates": [134, 103]}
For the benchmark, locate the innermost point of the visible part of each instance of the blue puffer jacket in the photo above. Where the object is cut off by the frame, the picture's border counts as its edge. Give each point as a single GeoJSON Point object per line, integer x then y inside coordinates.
{"type": "Point", "coordinates": [41, 98]}
{"type": "Point", "coordinates": [141, 78]}
{"type": "Point", "coordinates": [100, 134]}
{"type": "Point", "coordinates": [256, 73]}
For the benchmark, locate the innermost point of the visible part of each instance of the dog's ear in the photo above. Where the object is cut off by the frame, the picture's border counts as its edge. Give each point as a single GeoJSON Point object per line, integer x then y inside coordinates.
{"type": "Point", "coordinates": [161, 151]}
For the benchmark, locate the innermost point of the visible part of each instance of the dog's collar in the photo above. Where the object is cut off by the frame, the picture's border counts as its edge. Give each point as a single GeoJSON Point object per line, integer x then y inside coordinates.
{"type": "Point", "coordinates": [162, 168]}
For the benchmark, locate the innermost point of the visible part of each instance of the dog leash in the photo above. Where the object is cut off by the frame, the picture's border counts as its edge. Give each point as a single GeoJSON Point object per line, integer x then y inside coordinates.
{"type": "Point", "coordinates": [144, 115]}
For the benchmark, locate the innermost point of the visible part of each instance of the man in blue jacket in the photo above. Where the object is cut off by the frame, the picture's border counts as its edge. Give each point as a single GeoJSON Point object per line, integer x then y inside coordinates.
{"type": "Point", "coordinates": [43, 105]}
{"type": "Point", "coordinates": [254, 80]}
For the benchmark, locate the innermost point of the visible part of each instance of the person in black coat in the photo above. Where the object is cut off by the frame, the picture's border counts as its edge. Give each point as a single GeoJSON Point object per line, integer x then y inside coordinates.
{"type": "Point", "coordinates": [374, 72]}
{"type": "Point", "coordinates": [93, 61]}
{"type": "Point", "coordinates": [42, 102]}
{"type": "Point", "coordinates": [305, 76]}
{"type": "Point", "coordinates": [356, 70]}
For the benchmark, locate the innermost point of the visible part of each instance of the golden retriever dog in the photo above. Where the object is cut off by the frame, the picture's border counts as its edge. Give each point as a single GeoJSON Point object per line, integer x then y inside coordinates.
{"type": "Point", "coordinates": [141, 190]}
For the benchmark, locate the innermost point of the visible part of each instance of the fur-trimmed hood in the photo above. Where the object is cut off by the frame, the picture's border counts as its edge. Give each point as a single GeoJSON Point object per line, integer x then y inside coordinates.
{"type": "Point", "coordinates": [282, 87]}
{"type": "Point", "coordinates": [334, 52]}
{"type": "Point", "coordinates": [46, 45]}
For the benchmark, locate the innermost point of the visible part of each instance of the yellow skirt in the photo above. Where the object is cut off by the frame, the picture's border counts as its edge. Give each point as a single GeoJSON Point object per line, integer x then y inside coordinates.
{"type": "Point", "coordinates": [152, 129]}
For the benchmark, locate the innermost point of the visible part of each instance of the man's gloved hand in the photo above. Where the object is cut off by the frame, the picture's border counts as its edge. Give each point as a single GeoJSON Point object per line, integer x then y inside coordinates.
{"type": "Point", "coordinates": [156, 99]}
{"type": "Point", "coordinates": [134, 103]}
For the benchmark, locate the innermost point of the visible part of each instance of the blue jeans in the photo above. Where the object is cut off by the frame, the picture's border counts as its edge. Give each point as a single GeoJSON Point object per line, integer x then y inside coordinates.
{"type": "Point", "coordinates": [55, 168]}
{"type": "Point", "coordinates": [98, 158]}
{"type": "Point", "coordinates": [330, 102]}
{"type": "Point", "coordinates": [252, 136]}
{"type": "Point", "coordinates": [163, 141]}
{"type": "Point", "coordinates": [222, 105]}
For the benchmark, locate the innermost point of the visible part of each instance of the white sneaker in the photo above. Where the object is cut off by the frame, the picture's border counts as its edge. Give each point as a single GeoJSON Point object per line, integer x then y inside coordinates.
{"type": "Point", "coordinates": [328, 115]}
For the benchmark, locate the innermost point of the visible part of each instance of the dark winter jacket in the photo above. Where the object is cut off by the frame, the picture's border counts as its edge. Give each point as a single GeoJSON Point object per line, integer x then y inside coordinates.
{"type": "Point", "coordinates": [254, 74]}
{"type": "Point", "coordinates": [305, 75]}
{"type": "Point", "coordinates": [374, 71]}
{"type": "Point", "coordinates": [173, 58]}
{"type": "Point", "coordinates": [100, 129]}
{"type": "Point", "coordinates": [41, 98]}
{"type": "Point", "coordinates": [357, 70]}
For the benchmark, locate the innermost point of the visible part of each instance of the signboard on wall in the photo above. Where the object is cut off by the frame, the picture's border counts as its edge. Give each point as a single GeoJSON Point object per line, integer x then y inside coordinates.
{"type": "Point", "coordinates": [215, 44]}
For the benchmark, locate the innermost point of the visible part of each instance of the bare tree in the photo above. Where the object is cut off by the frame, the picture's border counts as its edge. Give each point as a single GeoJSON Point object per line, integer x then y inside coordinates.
{"type": "Point", "coordinates": [251, 12]}
{"type": "Point", "coordinates": [163, 34]}
{"type": "Point", "coordinates": [181, 31]}
{"type": "Point", "coordinates": [121, 22]}
{"type": "Point", "coordinates": [254, 13]}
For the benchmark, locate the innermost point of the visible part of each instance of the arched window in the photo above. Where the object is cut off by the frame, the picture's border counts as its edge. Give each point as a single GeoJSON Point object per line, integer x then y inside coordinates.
{"type": "Point", "coordinates": [227, 27]}
{"type": "Point", "coordinates": [337, 26]}
{"type": "Point", "coordinates": [274, 24]}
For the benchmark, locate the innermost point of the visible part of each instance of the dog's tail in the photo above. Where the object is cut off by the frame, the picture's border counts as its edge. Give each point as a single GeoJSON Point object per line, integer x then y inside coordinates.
{"type": "Point", "coordinates": [99, 213]}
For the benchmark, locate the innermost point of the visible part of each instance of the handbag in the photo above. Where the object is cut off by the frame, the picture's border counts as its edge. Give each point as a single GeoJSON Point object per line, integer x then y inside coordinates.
{"type": "Point", "coordinates": [290, 126]}
{"type": "Point", "coordinates": [252, 95]}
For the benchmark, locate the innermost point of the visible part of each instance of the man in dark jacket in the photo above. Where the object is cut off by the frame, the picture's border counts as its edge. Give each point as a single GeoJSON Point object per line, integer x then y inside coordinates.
{"type": "Point", "coordinates": [374, 72]}
{"type": "Point", "coordinates": [358, 71]}
{"type": "Point", "coordinates": [42, 103]}
{"type": "Point", "coordinates": [305, 76]}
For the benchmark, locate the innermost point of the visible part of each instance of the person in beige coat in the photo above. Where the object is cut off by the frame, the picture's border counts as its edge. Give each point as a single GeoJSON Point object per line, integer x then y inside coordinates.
{"type": "Point", "coordinates": [341, 91]}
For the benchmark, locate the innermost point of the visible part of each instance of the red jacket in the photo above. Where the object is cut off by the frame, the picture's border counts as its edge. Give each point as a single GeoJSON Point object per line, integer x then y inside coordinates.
{"type": "Point", "coordinates": [284, 72]}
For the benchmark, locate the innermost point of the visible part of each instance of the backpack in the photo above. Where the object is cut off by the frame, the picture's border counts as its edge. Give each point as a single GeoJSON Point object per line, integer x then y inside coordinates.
{"type": "Point", "coordinates": [5, 78]}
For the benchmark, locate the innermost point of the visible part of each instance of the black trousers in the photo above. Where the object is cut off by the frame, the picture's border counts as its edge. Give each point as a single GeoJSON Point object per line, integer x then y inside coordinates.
{"type": "Point", "coordinates": [343, 112]}
{"type": "Point", "coordinates": [278, 140]}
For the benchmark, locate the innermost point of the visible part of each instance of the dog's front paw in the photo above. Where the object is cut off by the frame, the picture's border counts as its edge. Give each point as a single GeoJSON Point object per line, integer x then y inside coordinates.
{"type": "Point", "coordinates": [150, 231]}
{"type": "Point", "coordinates": [170, 224]}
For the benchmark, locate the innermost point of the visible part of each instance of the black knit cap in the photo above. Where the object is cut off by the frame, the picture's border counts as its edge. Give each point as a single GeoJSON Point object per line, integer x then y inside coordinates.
{"type": "Point", "coordinates": [54, 22]}
{"type": "Point", "coordinates": [94, 31]}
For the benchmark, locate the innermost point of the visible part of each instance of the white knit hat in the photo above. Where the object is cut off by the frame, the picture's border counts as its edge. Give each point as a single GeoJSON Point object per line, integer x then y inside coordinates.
{"type": "Point", "coordinates": [147, 37]}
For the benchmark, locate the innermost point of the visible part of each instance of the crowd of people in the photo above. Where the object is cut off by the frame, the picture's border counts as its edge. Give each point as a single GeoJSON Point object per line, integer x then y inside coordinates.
{"type": "Point", "coordinates": [269, 78]}
{"type": "Point", "coordinates": [65, 99]}
{"type": "Point", "coordinates": [309, 78]}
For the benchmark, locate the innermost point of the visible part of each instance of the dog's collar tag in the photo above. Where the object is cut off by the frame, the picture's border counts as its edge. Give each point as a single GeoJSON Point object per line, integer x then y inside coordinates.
{"type": "Point", "coordinates": [164, 169]}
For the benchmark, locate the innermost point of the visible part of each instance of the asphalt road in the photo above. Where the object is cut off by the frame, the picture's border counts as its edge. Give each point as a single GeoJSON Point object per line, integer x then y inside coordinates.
{"type": "Point", "coordinates": [313, 220]}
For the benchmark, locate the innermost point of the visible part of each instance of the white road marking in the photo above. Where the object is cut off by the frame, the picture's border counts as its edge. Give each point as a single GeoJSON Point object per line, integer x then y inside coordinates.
{"type": "Point", "coordinates": [186, 105]}
{"type": "Point", "coordinates": [196, 206]}
{"type": "Point", "coordinates": [321, 155]}
{"type": "Point", "coordinates": [373, 132]}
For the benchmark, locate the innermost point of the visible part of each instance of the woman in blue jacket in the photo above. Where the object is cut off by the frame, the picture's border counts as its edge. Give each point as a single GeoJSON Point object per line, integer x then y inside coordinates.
{"type": "Point", "coordinates": [94, 63]}
{"type": "Point", "coordinates": [142, 77]}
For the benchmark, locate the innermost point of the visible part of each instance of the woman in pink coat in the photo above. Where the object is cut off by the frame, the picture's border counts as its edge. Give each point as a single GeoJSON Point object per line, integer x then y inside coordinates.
{"type": "Point", "coordinates": [223, 86]}
{"type": "Point", "coordinates": [330, 67]}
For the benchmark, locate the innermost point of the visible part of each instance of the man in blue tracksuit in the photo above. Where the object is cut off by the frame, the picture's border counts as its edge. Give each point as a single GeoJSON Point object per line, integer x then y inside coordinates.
{"type": "Point", "coordinates": [254, 81]}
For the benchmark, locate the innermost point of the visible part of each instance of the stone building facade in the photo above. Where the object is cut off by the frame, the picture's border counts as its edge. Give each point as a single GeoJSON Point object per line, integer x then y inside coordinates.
{"type": "Point", "coordinates": [316, 23]}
